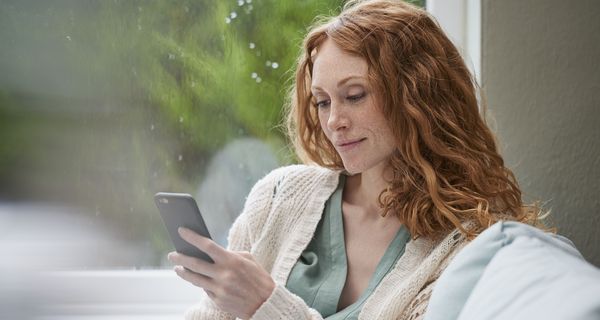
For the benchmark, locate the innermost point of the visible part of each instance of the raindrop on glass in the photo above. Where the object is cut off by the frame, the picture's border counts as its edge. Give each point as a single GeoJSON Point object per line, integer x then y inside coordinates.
{"type": "Point", "coordinates": [254, 75]}
{"type": "Point", "coordinates": [180, 157]}
{"type": "Point", "coordinates": [275, 65]}
{"type": "Point", "coordinates": [171, 56]}
{"type": "Point", "coordinates": [268, 64]}
{"type": "Point", "coordinates": [180, 119]}
{"type": "Point", "coordinates": [251, 45]}
{"type": "Point", "coordinates": [258, 80]}
{"type": "Point", "coordinates": [240, 3]}
{"type": "Point", "coordinates": [233, 15]}
{"type": "Point", "coordinates": [152, 127]}
{"type": "Point", "coordinates": [227, 20]}
{"type": "Point", "coordinates": [248, 1]}
{"type": "Point", "coordinates": [69, 38]}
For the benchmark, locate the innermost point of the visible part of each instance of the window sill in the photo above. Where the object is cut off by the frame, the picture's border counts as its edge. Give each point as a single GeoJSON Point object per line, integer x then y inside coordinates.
{"type": "Point", "coordinates": [104, 295]}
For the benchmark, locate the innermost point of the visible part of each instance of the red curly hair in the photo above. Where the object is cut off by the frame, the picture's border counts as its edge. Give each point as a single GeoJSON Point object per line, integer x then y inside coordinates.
{"type": "Point", "coordinates": [447, 168]}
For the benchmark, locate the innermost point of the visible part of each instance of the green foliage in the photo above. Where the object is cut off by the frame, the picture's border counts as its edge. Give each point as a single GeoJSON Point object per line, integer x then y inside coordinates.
{"type": "Point", "coordinates": [215, 69]}
{"type": "Point", "coordinates": [104, 103]}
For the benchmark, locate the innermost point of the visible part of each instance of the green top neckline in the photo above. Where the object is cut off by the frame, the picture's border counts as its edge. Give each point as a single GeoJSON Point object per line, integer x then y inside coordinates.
{"type": "Point", "coordinates": [319, 275]}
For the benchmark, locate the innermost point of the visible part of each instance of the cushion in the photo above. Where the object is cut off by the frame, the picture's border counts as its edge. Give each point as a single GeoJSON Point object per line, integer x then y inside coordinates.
{"type": "Point", "coordinates": [515, 271]}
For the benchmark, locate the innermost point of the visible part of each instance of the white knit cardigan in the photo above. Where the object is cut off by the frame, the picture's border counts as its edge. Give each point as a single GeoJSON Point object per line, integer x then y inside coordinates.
{"type": "Point", "coordinates": [278, 221]}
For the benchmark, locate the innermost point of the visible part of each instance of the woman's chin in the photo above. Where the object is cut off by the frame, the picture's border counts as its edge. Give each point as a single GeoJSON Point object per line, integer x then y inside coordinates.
{"type": "Point", "coordinates": [352, 170]}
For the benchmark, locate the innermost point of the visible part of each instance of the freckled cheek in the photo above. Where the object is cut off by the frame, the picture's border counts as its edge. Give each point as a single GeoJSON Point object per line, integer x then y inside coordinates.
{"type": "Point", "coordinates": [382, 133]}
{"type": "Point", "coordinates": [387, 140]}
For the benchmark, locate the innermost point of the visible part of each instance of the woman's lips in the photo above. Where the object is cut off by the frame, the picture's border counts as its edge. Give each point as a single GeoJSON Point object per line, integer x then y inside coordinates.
{"type": "Point", "coordinates": [349, 145]}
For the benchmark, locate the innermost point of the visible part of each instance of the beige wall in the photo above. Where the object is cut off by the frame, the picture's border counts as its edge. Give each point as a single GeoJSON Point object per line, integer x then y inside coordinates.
{"type": "Point", "coordinates": [541, 74]}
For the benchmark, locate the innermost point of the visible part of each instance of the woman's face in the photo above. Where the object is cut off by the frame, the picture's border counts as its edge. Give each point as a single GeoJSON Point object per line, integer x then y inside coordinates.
{"type": "Point", "coordinates": [347, 110]}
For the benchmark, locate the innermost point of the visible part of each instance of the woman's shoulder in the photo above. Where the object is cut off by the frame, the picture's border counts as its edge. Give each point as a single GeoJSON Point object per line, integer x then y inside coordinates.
{"type": "Point", "coordinates": [285, 195]}
{"type": "Point", "coordinates": [302, 170]}
{"type": "Point", "coordinates": [299, 176]}
{"type": "Point", "coordinates": [288, 182]}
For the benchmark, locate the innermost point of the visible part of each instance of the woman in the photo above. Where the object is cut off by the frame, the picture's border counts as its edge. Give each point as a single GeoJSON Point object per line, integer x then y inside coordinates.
{"type": "Point", "coordinates": [403, 172]}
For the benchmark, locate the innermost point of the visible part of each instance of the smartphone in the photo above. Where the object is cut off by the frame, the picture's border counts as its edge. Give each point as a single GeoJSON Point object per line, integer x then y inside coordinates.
{"type": "Point", "coordinates": [180, 210]}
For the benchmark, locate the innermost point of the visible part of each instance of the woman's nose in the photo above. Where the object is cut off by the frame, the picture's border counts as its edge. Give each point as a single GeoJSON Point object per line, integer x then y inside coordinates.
{"type": "Point", "coordinates": [338, 117]}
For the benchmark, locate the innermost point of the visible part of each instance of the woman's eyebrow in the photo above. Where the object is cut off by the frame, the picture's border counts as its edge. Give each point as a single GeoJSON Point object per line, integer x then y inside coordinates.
{"type": "Point", "coordinates": [343, 81]}
{"type": "Point", "coordinates": [340, 83]}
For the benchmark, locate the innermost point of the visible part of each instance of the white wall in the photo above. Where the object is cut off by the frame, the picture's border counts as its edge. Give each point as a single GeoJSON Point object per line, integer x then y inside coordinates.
{"type": "Point", "coordinates": [542, 78]}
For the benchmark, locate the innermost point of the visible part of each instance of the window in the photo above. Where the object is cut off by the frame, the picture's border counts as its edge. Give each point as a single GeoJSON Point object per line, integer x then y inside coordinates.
{"type": "Point", "coordinates": [461, 20]}
{"type": "Point", "coordinates": [103, 104]}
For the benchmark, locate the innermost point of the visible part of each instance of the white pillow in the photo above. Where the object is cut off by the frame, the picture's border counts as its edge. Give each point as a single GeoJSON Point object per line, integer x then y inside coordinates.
{"type": "Point", "coordinates": [532, 279]}
{"type": "Point", "coordinates": [515, 271]}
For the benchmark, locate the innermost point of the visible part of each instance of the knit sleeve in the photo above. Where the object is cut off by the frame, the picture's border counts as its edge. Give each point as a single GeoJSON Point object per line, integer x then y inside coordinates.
{"type": "Point", "coordinates": [240, 238]}
{"type": "Point", "coordinates": [284, 305]}
{"type": "Point", "coordinates": [281, 305]}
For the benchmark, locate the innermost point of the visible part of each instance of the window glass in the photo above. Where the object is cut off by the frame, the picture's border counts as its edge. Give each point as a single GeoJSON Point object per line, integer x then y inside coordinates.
{"type": "Point", "coordinates": [104, 103]}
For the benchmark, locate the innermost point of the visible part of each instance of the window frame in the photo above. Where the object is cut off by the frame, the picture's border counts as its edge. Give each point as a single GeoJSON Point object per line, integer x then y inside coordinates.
{"type": "Point", "coordinates": [461, 20]}
{"type": "Point", "coordinates": [160, 294]}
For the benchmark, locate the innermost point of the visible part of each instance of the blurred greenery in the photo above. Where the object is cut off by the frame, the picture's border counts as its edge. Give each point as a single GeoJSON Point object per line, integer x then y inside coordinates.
{"type": "Point", "coordinates": [104, 103]}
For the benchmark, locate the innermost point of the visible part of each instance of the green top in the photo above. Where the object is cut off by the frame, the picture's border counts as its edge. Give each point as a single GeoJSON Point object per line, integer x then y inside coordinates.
{"type": "Point", "coordinates": [319, 275]}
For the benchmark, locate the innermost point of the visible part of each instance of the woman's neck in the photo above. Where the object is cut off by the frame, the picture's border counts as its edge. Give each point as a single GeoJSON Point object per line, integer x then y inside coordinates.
{"type": "Point", "coordinates": [363, 190]}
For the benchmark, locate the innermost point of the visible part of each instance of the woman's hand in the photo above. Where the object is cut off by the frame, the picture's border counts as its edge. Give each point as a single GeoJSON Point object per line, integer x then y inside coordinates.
{"type": "Point", "coordinates": [235, 281]}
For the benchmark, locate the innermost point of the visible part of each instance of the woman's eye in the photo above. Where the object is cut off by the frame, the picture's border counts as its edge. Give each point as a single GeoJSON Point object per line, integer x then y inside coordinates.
{"type": "Point", "coordinates": [322, 103]}
{"type": "Point", "coordinates": [356, 97]}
